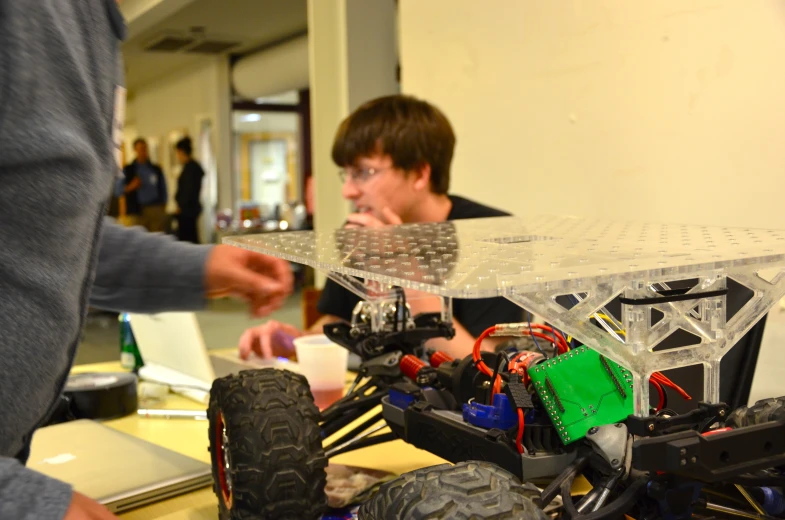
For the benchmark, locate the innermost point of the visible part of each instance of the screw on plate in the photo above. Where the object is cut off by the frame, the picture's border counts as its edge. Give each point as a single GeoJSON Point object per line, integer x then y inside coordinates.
{"type": "Point", "coordinates": [694, 460]}
{"type": "Point", "coordinates": [618, 425]}
{"type": "Point", "coordinates": [593, 430]}
{"type": "Point", "coordinates": [722, 413]}
{"type": "Point", "coordinates": [651, 427]}
{"type": "Point", "coordinates": [615, 462]}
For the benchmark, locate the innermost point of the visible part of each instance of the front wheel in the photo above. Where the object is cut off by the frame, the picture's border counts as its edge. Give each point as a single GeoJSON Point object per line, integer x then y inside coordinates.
{"type": "Point", "coordinates": [266, 447]}
{"type": "Point", "coordinates": [466, 491]}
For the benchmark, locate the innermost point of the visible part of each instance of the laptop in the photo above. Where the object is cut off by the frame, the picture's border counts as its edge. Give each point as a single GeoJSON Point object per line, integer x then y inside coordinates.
{"type": "Point", "coordinates": [115, 469]}
{"type": "Point", "coordinates": [174, 353]}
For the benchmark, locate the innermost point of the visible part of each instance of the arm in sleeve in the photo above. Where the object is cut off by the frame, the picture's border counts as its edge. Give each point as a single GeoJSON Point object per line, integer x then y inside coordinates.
{"type": "Point", "coordinates": [28, 495]}
{"type": "Point", "coordinates": [163, 191]}
{"type": "Point", "coordinates": [119, 186]}
{"type": "Point", "coordinates": [144, 272]}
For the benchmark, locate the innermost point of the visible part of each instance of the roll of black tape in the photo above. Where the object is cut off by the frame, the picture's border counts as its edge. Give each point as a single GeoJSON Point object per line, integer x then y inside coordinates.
{"type": "Point", "coordinates": [101, 395]}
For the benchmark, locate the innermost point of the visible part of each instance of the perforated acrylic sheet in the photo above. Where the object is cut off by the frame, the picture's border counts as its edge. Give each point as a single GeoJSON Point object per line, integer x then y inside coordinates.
{"type": "Point", "coordinates": [533, 262]}
{"type": "Point", "coordinates": [481, 258]}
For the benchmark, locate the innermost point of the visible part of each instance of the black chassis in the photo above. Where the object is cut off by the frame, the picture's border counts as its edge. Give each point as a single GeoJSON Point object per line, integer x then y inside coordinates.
{"type": "Point", "coordinates": [664, 448]}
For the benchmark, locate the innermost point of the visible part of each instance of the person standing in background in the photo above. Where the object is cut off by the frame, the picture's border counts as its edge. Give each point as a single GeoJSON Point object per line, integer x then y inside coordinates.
{"type": "Point", "coordinates": [145, 189]}
{"type": "Point", "coordinates": [188, 196]}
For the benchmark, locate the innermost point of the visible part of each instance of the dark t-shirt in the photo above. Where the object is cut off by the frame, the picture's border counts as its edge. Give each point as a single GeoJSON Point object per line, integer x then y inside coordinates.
{"type": "Point", "coordinates": [475, 315]}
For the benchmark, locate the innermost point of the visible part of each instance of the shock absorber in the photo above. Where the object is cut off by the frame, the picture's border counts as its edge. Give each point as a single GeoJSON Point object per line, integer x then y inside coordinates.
{"type": "Point", "coordinates": [438, 357]}
{"type": "Point", "coordinates": [417, 370]}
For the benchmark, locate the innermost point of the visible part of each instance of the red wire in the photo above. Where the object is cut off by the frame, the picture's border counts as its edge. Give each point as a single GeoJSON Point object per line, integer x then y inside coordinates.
{"type": "Point", "coordinates": [561, 344]}
{"type": "Point", "coordinates": [561, 348]}
{"type": "Point", "coordinates": [478, 362]}
{"type": "Point", "coordinates": [657, 386]}
{"type": "Point", "coordinates": [519, 438]}
{"type": "Point", "coordinates": [524, 359]}
{"type": "Point", "coordinates": [664, 381]}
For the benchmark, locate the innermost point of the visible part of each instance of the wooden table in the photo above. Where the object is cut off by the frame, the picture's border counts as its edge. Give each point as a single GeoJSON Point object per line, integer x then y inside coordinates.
{"type": "Point", "coordinates": [189, 437]}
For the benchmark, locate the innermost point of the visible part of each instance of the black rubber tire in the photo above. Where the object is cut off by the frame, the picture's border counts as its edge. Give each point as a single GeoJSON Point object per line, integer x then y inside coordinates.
{"type": "Point", "coordinates": [277, 464]}
{"type": "Point", "coordinates": [466, 491]}
{"type": "Point", "coordinates": [763, 411]}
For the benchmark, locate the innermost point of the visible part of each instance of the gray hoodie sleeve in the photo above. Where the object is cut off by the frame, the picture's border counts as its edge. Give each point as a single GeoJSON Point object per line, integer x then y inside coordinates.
{"type": "Point", "coordinates": [147, 272]}
{"type": "Point", "coordinates": [28, 495]}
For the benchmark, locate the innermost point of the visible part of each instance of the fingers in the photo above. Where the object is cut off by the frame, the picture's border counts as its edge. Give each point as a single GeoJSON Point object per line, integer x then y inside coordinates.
{"type": "Point", "coordinates": [263, 294]}
{"type": "Point", "coordinates": [245, 345]}
{"type": "Point", "coordinates": [276, 268]}
{"type": "Point", "coordinates": [363, 220]}
{"type": "Point", "coordinates": [269, 340]}
{"type": "Point", "coordinates": [264, 339]}
{"type": "Point", "coordinates": [391, 218]}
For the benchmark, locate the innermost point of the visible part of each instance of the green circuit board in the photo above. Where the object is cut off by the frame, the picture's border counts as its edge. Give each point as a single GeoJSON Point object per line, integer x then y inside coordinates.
{"type": "Point", "coordinates": [581, 389]}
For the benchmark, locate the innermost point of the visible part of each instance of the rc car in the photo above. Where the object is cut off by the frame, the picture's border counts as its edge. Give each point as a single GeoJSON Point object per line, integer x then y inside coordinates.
{"type": "Point", "coordinates": [580, 398]}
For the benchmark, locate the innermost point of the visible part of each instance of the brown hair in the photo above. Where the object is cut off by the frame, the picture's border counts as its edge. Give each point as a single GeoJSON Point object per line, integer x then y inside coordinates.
{"type": "Point", "coordinates": [412, 132]}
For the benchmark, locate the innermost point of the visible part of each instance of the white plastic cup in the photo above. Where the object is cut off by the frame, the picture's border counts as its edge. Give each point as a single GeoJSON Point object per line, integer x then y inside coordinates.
{"type": "Point", "coordinates": [324, 364]}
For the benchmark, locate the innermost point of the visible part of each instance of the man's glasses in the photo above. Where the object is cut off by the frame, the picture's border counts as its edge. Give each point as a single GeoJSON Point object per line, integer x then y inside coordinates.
{"type": "Point", "coordinates": [359, 175]}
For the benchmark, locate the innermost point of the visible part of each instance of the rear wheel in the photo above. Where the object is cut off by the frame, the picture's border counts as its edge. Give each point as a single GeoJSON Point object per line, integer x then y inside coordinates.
{"type": "Point", "coordinates": [466, 491]}
{"type": "Point", "coordinates": [266, 447]}
{"type": "Point", "coordinates": [763, 411]}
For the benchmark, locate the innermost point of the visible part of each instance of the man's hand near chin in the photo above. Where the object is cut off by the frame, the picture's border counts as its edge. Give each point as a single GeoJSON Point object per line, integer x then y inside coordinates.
{"type": "Point", "coordinates": [358, 220]}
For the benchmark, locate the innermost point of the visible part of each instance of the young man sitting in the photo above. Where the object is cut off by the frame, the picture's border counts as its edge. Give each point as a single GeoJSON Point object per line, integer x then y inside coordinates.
{"type": "Point", "coordinates": [395, 154]}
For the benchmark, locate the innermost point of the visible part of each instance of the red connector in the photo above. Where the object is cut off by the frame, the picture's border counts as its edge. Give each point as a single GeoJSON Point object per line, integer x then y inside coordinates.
{"type": "Point", "coordinates": [439, 357]}
{"type": "Point", "coordinates": [411, 366]}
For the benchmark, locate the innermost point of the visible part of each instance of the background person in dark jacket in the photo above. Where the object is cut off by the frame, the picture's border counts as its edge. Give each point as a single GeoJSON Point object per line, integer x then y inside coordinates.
{"type": "Point", "coordinates": [145, 189]}
{"type": "Point", "coordinates": [189, 188]}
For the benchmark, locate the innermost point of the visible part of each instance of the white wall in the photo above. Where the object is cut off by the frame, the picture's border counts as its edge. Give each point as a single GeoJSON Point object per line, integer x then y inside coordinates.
{"type": "Point", "coordinates": [179, 102]}
{"type": "Point", "coordinates": [669, 110]}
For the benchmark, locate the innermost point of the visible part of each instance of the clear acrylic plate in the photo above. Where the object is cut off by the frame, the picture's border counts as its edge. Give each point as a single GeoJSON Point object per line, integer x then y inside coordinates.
{"type": "Point", "coordinates": [481, 258]}
{"type": "Point", "coordinates": [533, 262]}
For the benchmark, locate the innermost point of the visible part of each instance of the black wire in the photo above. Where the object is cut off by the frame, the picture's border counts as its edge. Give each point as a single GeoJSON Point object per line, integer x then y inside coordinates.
{"type": "Point", "coordinates": [359, 391]}
{"type": "Point", "coordinates": [336, 423]}
{"type": "Point", "coordinates": [665, 397]}
{"type": "Point", "coordinates": [403, 307]}
{"type": "Point", "coordinates": [569, 473]}
{"type": "Point", "coordinates": [501, 356]}
{"type": "Point", "coordinates": [613, 510]}
{"type": "Point", "coordinates": [397, 310]}
{"type": "Point", "coordinates": [355, 431]}
{"type": "Point", "coordinates": [373, 440]}
{"type": "Point", "coordinates": [367, 402]}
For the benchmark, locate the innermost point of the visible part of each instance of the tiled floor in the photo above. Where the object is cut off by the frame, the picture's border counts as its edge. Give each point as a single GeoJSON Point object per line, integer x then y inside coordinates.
{"type": "Point", "coordinates": [222, 324]}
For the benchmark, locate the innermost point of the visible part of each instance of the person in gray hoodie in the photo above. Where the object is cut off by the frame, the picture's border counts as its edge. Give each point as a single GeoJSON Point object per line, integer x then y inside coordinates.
{"type": "Point", "coordinates": [60, 124]}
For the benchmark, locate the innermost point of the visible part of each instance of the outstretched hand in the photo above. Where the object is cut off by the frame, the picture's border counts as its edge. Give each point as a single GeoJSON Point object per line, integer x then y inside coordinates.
{"type": "Point", "coordinates": [264, 282]}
